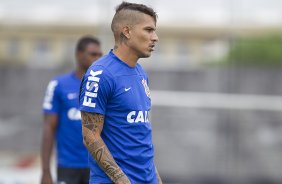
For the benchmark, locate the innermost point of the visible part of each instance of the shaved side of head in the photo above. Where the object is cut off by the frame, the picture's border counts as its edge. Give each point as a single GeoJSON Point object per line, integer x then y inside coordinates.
{"type": "Point", "coordinates": [124, 18]}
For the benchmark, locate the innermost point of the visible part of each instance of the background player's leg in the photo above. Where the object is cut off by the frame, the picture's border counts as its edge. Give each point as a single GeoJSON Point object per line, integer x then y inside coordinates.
{"type": "Point", "coordinates": [68, 176]}
{"type": "Point", "coordinates": [85, 173]}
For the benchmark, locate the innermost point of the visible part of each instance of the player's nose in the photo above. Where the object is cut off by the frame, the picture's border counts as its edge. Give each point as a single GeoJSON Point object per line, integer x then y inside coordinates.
{"type": "Point", "coordinates": [155, 37]}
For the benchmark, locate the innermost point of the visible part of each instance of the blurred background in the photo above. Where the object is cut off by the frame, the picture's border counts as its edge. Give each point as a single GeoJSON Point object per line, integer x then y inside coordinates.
{"type": "Point", "coordinates": [215, 80]}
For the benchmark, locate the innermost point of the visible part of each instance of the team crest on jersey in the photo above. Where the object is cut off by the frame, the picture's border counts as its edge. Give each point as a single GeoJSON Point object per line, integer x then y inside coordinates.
{"type": "Point", "coordinates": [146, 87]}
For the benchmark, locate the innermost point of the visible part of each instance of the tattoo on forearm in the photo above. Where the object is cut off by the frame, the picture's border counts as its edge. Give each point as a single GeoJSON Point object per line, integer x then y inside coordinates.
{"type": "Point", "coordinates": [92, 124]}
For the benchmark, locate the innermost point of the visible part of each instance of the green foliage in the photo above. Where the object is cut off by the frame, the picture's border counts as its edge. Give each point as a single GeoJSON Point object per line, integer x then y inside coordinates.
{"type": "Point", "coordinates": [265, 50]}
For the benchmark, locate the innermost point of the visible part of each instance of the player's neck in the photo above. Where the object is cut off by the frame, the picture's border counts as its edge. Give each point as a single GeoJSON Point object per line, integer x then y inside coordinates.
{"type": "Point", "coordinates": [79, 73]}
{"type": "Point", "coordinates": [125, 54]}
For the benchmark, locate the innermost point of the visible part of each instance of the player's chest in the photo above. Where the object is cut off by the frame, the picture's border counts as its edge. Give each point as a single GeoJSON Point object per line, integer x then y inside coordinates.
{"type": "Point", "coordinates": [69, 97]}
{"type": "Point", "coordinates": [132, 92]}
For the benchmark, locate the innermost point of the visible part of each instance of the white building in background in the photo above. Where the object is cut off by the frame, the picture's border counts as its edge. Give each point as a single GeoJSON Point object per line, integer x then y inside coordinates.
{"type": "Point", "coordinates": [43, 33]}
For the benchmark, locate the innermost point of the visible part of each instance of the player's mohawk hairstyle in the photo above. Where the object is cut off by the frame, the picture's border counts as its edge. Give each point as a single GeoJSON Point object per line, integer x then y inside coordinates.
{"type": "Point", "coordinates": [137, 7]}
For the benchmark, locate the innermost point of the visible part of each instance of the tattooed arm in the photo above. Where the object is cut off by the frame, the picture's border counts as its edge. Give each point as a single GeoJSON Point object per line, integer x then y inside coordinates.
{"type": "Point", "coordinates": [92, 125]}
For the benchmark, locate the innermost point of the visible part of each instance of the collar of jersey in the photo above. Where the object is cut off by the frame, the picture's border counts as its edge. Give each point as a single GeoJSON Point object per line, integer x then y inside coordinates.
{"type": "Point", "coordinates": [119, 60]}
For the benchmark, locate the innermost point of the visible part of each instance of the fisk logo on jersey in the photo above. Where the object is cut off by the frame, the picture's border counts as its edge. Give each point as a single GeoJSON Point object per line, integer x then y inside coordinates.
{"type": "Point", "coordinates": [49, 95]}
{"type": "Point", "coordinates": [91, 88]}
{"type": "Point", "coordinates": [138, 117]}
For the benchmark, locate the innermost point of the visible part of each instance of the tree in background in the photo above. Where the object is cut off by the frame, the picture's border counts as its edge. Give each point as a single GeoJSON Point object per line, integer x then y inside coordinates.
{"type": "Point", "coordinates": [263, 50]}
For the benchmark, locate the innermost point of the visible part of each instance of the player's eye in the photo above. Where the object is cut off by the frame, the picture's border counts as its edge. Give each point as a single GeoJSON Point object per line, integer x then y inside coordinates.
{"type": "Point", "coordinates": [149, 29]}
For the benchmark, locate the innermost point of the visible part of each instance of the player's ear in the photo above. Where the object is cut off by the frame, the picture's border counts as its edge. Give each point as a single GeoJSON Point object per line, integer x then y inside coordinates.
{"type": "Point", "coordinates": [126, 31]}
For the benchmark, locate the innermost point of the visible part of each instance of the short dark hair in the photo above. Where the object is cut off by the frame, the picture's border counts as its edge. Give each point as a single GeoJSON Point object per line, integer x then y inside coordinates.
{"type": "Point", "coordinates": [137, 7]}
{"type": "Point", "coordinates": [84, 41]}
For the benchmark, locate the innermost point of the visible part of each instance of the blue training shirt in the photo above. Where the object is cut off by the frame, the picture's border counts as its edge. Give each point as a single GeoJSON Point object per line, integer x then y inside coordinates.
{"type": "Point", "coordinates": [61, 98]}
{"type": "Point", "coordinates": [120, 92]}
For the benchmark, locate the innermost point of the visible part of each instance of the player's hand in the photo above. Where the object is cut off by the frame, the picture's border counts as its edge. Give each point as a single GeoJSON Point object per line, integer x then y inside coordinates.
{"type": "Point", "coordinates": [46, 178]}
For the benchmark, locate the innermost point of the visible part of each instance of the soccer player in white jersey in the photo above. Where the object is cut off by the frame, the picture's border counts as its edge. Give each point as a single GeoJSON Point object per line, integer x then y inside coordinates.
{"type": "Point", "coordinates": [62, 120]}
{"type": "Point", "coordinates": [115, 103]}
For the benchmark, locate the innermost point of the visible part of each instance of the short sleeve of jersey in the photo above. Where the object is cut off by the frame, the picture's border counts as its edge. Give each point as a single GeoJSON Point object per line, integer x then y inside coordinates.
{"type": "Point", "coordinates": [95, 90]}
{"type": "Point", "coordinates": [51, 99]}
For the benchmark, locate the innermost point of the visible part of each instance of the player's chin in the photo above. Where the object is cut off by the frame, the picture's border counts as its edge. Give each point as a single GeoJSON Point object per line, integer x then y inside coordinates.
{"type": "Point", "coordinates": [147, 54]}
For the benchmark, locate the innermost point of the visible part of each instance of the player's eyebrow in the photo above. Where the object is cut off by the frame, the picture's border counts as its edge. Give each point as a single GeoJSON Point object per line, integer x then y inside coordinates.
{"type": "Point", "coordinates": [150, 28]}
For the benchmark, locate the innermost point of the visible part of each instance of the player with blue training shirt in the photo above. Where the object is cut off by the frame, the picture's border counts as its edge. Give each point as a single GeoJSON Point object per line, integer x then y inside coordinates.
{"type": "Point", "coordinates": [115, 103]}
{"type": "Point", "coordinates": [62, 120]}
